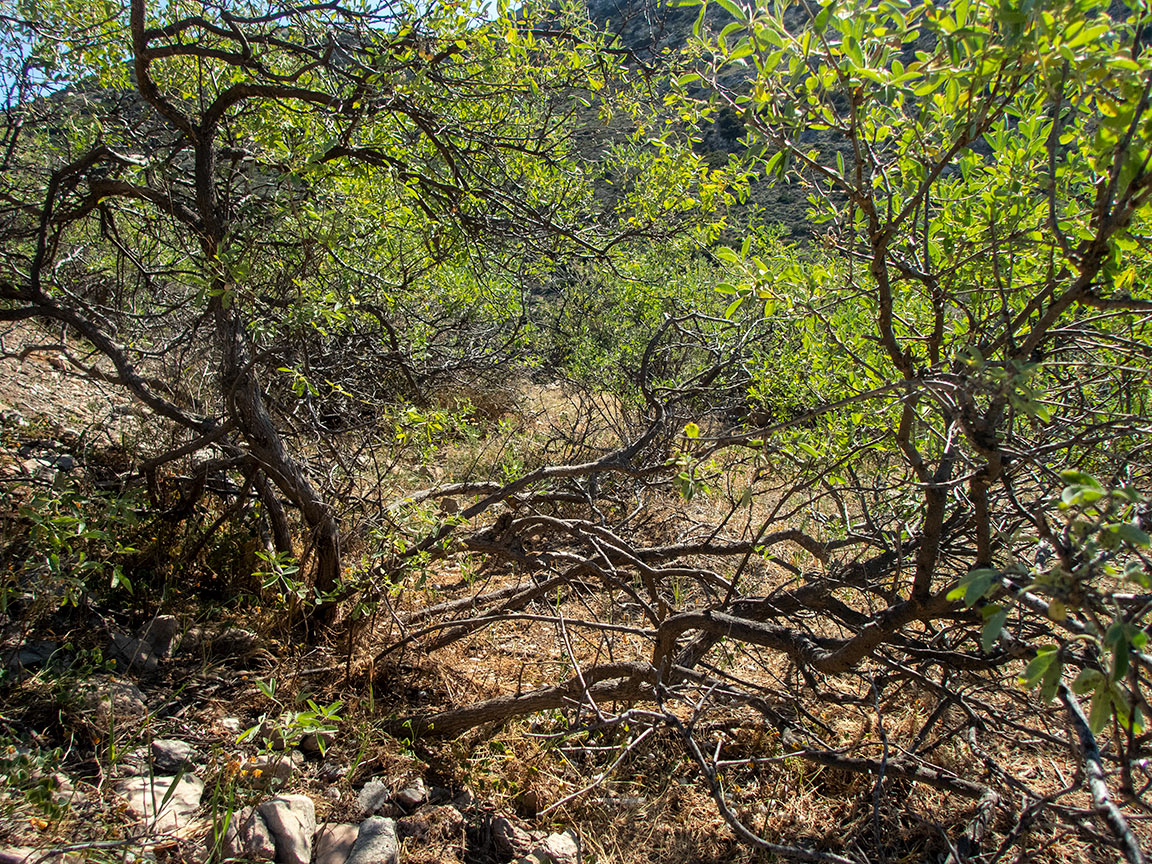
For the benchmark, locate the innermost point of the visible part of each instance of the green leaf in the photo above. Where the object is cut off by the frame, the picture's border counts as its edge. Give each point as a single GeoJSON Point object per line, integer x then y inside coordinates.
{"type": "Point", "coordinates": [973, 585]}
{"type": "Point", "coordinates": [1087, 681]}
{"type": "Point", "coordinates": [1079, 478]}
{"type": "Point", "coordinates": [991, 630]}
{"type": "Point", "coordinates": [980, 582]}
{"type": "Point", "coordinates": [1039, 666]}
{"type": "Point", "coordinates": [734, 10]}
{"type": "Point", "coordinates": [1130, 533]}
{"type": "Point", "coordinates": [1051, 680]}
{"type": "Point", "coordinates": [734, 27]}
{"type": "Point", "coordinates": [1081, 494]}
{"type": "Point", "coordinates": [1100, 711]}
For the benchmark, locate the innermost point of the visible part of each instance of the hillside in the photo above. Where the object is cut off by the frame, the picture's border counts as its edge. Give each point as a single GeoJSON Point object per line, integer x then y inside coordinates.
{"type": "Point", "coordinates": [452, 436]}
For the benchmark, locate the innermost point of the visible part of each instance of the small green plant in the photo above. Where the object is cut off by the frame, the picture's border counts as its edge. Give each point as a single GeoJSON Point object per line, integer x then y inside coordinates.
{"type": "Point", "coordinates": [289, 727]}
{"type": "Point", "coordinates": [1100, 551]}
{"type": "Point", "coordinates": [279, 577]}
{"type": "Point", "coordinates": [76, 544]}
{"type": "Point", "coordinates": [27, 780]}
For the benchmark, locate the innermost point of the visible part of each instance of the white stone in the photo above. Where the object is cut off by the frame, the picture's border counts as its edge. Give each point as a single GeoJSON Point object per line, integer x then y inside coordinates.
{"type": "Point", "coordinates": [248, 837]}
{"type": "Point", "coordinates": [166, 804]}
{"type": "Point", "coordinates": [292, 821]}
{"type": "Point", "coordinates": [334, 842]}
{"type": "Point", "coordinates": [412, 795]}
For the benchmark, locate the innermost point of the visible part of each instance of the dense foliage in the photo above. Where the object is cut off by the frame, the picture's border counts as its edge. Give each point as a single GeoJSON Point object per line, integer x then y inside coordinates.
{"type": "Point", "coordinates": [907, 457]}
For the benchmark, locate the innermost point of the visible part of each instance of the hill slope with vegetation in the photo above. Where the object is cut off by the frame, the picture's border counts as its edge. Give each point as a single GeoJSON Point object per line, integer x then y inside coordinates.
{"type": "Point", "coordinates": [429, 440]}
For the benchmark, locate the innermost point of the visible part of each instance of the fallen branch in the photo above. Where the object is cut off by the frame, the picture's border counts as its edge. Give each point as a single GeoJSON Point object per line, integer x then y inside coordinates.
{"type": "Point", "coordinates": [1094, 771]}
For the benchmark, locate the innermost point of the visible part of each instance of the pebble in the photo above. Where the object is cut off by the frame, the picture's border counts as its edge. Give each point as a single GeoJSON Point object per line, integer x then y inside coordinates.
{"type": "Point", "coordinates": [165, 803]}
{"type": "Point", "coordinates": [373, 797]}
{"type": "Point", "coordinates": [376, 842]}
{"type": "Point", "coordinates": [291, 819]}
{"type": "Point", "coordinates": [170, 755]}
{"type": "Point", "coordinates": [412, 795]}
{"type": "Point", "coordinates": [102, 698]}
{"type": "Point", "coordinates": [334, 842]}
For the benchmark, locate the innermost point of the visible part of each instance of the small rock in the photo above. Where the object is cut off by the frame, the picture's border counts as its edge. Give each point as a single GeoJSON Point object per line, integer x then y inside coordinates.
{"type": "Point", "coordinates": [170, 755]}
{"type": "Point", "coordinates": [334, 842]}
{"type": "Point", "coordinates": [464, 799]}
{"type": "Point", "coordinates": [412, 795]}
{"type": "Point", "coordinates": [102, 698]}
{"type": "Point", "coordinates": [292, 821]}
{"type": "Point", "coordinates": [562, 848]}
{"type": "Point", "coordinates": [219, 643]}
{"type": "Point", "coordinates": [64, 462]}
{"type": "Point", "coordinates": [65, 792]}
{"type": "Point", "coordinates": [31, 656]}
{"type": "Point", "coordinates": [161, 633]}
{"type": "Point", "coordinates": [133, 653]}
{"type": "Point", "coordinates": [330, 772]}
{"type": "Point", "coordinates": [510, 839]}
{"type": "Point", "coordinates": [13, 418]}
{"type": "Point", "coordinates": [376, 842]}
{"type": "Point", "coordinates": [316, 743]}
{"type": "Point", "coordinates": [39, 469]}
{"type": "Point", "coordinates": [373, 797]}
{"type": "Point", "coordinates": [230, 725]}
{"type": "Point", "coordinates": [272, 769]}
{"type": "Point", "coordinates": [248, 837]}
{"type": "Point", "coordinates": [146, 796]}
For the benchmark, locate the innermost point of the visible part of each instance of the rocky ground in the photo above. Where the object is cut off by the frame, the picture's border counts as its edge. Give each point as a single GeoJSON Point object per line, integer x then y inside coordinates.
{"type": "Point", "coordinates": [170, 740]}
{"type": "Point", "coordinates": [179, 777]}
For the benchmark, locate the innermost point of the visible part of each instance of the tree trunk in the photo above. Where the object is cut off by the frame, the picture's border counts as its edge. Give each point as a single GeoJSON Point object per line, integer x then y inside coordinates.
{"type": "Point", "coordinates": [248, 410]}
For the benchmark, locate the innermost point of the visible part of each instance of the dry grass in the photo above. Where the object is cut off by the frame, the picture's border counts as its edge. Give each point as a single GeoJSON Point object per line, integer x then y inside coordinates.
{"type": "Point", "coordinates": [653, 805]}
